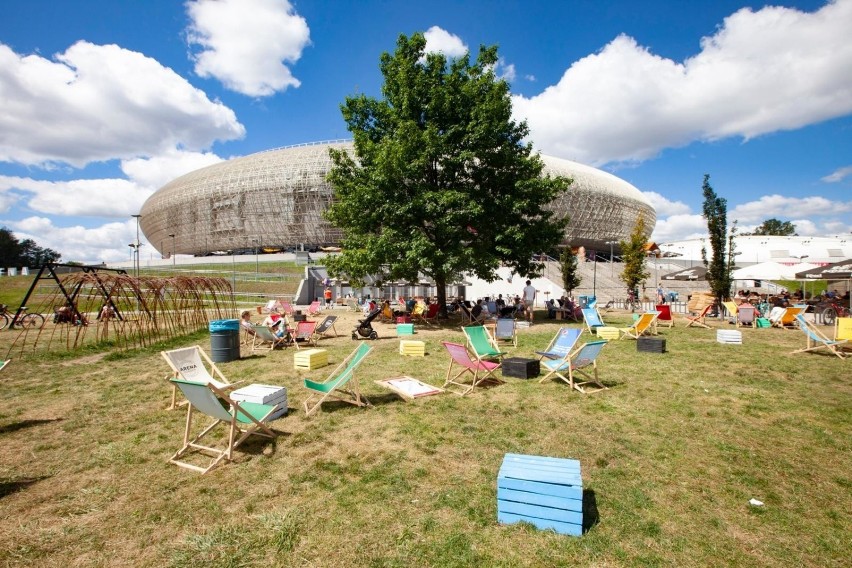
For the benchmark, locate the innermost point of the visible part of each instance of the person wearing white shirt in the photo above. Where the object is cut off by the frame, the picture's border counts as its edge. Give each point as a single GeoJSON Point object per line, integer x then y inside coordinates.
{"type": "Point", "coordinates": [528, 295]}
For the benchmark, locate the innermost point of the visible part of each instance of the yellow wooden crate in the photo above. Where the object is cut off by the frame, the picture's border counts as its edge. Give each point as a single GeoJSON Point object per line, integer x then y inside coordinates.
{"type": "Point", "coordinates": [412, 348]}
{"type": "Point", "coordinates": [310, 359]}
{"type": "Point", "coordinates": [607, 332]}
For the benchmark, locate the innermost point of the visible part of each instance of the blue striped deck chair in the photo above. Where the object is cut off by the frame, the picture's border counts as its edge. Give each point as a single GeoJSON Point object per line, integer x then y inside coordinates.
{"type": "Point", "coordinates": [562, 343]}
{"type": "Point", "coordinates": [243, 418]}
{"type": "Point", "coordinates": [816, 340]}
{"type": "Point", "coordinates": [504, 330]}
{"type": "Point", "coordinates": [577, 363]}
{"type": "Point", "coordinates": [592, 319]}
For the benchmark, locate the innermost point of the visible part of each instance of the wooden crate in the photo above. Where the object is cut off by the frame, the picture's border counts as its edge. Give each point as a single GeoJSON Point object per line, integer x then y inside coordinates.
{"type": "Point", "coordinates": [545, 492]}
{"type": "Point", "coordinates": [405, 329]}
{"type": "Point", "coordinates": [729, 336]}
{"type": "Point", "coordinates": [604, 332]}
{"type": "Point", "coordinates": [651, 345]}
{"type": "Point", "coordinates": [310, 359]}
{"type": "Point", "coordinates": [412, 348]}
{"type": "Point", "coordinates": [521, 367]}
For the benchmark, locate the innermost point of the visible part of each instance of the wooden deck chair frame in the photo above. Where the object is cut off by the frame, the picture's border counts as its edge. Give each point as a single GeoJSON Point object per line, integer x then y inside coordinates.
{"type": "Point", "coordinates": [576, 363]}
{"type": "Point", "coordinates": [589, 315]}
{"type": "Point", "coordinates": [314, 308]}
{"type": "Point", "coordinates": [305, 331]}
{"type": "Point", "coordinates": [207, 399]}
{"type": "Point", "coordinates": [322, 330]}
{"type": "Point", "coordinates": [643, 326]}
{"type": "Point", "coordinates": [265, 339]}
{"type": "Point", "coordinates": [333, 387]}
{"type": "Point", "coordinates": [505, 329]}
{"type": "Point", "coordinates": [459, 355]}
{"type": "Point", "coordinates": [788, 318]}
{"type": "Point", "coordinates": [467, 316]}
{"type": "Point", "coordinates": [746, 316]}
{"type": "Point", "coordinates": [482, 343]}
{"type": "Point", "coordinates": [666, 317]}
{"type": "Point", "coordinates": [817, 340]}
{"type": "Point", "coordinates": [699, 320]}
{"type": "Point", "coordinates": [562, 343]}
{"type": "Point", "coordinates": [429, 316]}
{"type": "Point", "coordinates": [194, 365]}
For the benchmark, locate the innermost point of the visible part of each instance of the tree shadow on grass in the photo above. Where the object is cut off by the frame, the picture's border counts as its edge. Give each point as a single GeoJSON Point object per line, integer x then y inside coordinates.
{"type": "Point", "coordinates": [7, 487]}
{"type": "Point", "coordinates": [15, 426]}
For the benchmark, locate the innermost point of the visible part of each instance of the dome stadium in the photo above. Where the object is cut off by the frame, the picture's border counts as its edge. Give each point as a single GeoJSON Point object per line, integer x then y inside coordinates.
{"type": "Point", "coordinates": [274, 200]}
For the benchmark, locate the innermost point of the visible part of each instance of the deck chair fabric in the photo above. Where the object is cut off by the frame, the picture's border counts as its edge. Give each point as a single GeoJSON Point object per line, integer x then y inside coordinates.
{"type": "Point", "coordinates": [240, 418]}
{"type": "Point", "coordinates": [665, 318]}
{"type": "Point", "coordinates": [193, 364]}
{"type": "Point", "coordinates": [746, 316]}
{"type": "Point", "coordinates": [460, 356]}
{"type": "Point", "coordinates": [386, 315]}
{"type": "Point", "coordinates": [843, 329]}
{"type": "Point", "coordinates": [323, 328]}
{"type": "Point", "coordinates": [505, 330]}
{"type": "Point", "coordinates": [788, 319]}
{"type": "Point", "coordinates": [577, 363]}
{"type": "Point", "coordinates": [265, 339]}
{"type": "Point", "coordinates": [562, 343]}
{"type": "Point", "coordinates": [817, 340]}
{"type": "Point", "coordinates": [482, 344]}
{"type": "Point", "coordinates": [642, 326]}
{"type": "Point", "coordinates": [699, 320]}
{"type": "Point", "coordinates": [430, 316]}
{"type": "Point", "coordinates": [467, 316]}
{"type": "Point", "coordinates": [304, 332]}
{"type": "Point", "coordinates": [314, 308]}
{"type": "Point", "coordinates": [341, 385]}
{"type": "Point", "coordinates": [732, 309]}
{"type": "Point", "coordinates": [592, 319]}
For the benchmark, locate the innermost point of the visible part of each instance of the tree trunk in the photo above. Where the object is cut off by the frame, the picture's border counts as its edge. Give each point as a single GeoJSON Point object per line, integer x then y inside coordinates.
{"type": "Point", "coordinates": [441, 291]}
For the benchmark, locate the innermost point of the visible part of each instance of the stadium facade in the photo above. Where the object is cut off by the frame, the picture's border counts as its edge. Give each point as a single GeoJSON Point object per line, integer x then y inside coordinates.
{"type": "Point", "coordinates": [275, 200]}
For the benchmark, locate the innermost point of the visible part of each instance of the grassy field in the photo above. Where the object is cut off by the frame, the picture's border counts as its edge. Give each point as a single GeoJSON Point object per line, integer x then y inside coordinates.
{"type": "Point", "coordinates": [671, 455]}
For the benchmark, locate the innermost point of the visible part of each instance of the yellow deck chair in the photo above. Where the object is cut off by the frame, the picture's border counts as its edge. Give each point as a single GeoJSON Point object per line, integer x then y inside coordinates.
{"type": "Point", "coordinates": [732, 309]}
{"type": "Point", "coordinates": [843, 329]}
{"type": "Point", "coordinates": [643, 326]}
{"type": "Point", "coordinates": [788, 318]}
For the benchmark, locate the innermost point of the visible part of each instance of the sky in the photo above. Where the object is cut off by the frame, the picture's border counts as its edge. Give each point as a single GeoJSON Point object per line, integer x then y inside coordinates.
{"type": "Point", "coordinates": [102, 102]}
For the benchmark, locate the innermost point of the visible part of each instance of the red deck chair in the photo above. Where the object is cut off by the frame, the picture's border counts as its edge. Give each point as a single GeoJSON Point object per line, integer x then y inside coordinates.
{"type": "Point", "coordinates": [665, 318]}
{"type": "Point", "coordinates": [460, 356]}
{"type": "Point", "coordinates": [305, 332]}
{"type": "Point", "coordinates": [699, 319]}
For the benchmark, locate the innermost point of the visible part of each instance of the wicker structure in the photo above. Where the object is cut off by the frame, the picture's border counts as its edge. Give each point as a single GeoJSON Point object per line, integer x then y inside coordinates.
{"type": "Point", "coordinates": [275, 199]}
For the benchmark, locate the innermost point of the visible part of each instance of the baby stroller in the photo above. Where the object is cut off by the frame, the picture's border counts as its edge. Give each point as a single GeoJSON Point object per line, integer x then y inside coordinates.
{"type": "Point", "coordinates": [365, 326]}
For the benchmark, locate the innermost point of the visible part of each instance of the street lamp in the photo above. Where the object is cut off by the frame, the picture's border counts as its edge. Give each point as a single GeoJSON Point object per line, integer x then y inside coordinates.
{"type": "Point", "coordinates": [136, 248]}
{"type": "Point", "coordinates": [172, 235]}
{"type": "Point", "coordinates": [256, 261]}
{"type": "Point", "coordinates": [611, 262]}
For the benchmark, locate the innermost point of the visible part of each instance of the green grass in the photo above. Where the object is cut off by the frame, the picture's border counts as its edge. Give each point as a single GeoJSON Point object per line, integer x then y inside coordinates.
{"type": "Point", "coordinates": [671, 455]}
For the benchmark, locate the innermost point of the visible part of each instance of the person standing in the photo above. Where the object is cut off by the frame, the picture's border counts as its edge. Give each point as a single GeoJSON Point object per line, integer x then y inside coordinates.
{"type": "Point", "coordinates": [327, 295]}
{"type": "Point", "coordinates": [529, 294]}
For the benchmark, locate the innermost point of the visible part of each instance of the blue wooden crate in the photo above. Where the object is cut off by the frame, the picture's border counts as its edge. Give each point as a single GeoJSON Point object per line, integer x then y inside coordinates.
{"type": "Point", "coordinates": [545, 492]}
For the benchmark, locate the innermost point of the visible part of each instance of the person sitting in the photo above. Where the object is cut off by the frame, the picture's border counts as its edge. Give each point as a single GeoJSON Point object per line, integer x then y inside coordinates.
{"type": "Point", "coordinates": [476, 311]}
{"type": "Point", "coordinates": [551, 309]}
{"type": "Point", "coordinates": [272, 318]}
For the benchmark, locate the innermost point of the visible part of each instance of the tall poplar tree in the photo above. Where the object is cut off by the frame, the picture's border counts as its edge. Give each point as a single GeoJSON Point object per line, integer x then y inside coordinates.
{"type": "Point", "coordinates": [720, 266]}
{"type": "Point", "coordinates": [633, 256]}
{"type": "Point", "coordinates": [442, 182]}
{"type": "Point", "coordinates": [568, 266]}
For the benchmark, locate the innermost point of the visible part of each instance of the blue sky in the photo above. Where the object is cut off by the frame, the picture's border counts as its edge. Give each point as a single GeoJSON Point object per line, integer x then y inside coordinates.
{"type": "Point", "coordinates": [104, 101]}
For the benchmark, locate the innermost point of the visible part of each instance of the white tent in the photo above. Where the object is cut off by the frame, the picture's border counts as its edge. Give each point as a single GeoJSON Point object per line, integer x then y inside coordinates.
{"type": "Point", "coordinates": [771, 271]}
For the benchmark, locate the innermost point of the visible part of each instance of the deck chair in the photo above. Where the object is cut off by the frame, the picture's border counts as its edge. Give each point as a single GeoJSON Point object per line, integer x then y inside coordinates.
{"type": "Point", "coordinates": [817, 340]}
{"type": "Point", "coordinates": [843, 329]}
{"type": "Point", "coordinates": [323, 328]}
{"type": "Point", "coordinates": [665, 318]}
{"type": "Point", "coordinates": [746, 316]}
{"type": "Point", "coordinates": [788, 319]}
{"type": "Point", "coordinates": [492, 308]}
{"type": "Point", "coordinates": [241, 418]}
{"type": "Point", "coordinates": [468, 317]}
{"type": "Point", "coordinates": [314, 308]}
{"type": "Point", "coordinates": [430, 316]}
{"type": "Point", "coordinates": [576, 363]}
{"type": "Point", "coordinates": [562, 343]}
{"type": "Point", "coordinates": [286, 308]}
{"type": "Point", "coordinates": [386, 315]}
{"type": "Point", "coordinates": [304, 332]}
{"type": "Point", "coordinates": [193, 364]}
{"type": "Point", "coordinates": [505, 330]}
{"type": "Point", "coordinates": [699, 320]}
{"type": "Point", "coordinates": [353, 304]}
{"type": "Point", "coordinates": [732, 309]}
{"type": "Point", "coordinates": [642, 326]}
{"type": "Point", "coordinates": [341, 384]}
{"type": "Point", "coordinates": [482, 343]}
{"type": "Point", "coordinates": [264, 338]}
{"type": "Point", "coordinates": [460, 356]}
{"type": "Point", "coordinates": [592, 319]}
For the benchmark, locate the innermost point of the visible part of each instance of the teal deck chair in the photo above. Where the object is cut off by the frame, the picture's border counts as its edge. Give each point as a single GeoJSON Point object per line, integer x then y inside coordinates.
{"type": "Point", "coordinates": [562, 344]}
{"type": "Point", "coordinates": [333, 387]}
{"type": "Point", "coordinates": [243, 418]}
{"type": "Point", "coordinates": [816, 340]}
{"type": "Point", "coordinates": [482, 344]}
{"type": "Point", "coordinates": [578, 363]}
{"type": "Point", "coordinates": [592, 319]}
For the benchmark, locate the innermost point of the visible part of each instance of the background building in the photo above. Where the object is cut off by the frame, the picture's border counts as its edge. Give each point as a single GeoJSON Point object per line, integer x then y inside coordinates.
{"type": "Point", "coordinates": [274, 200]}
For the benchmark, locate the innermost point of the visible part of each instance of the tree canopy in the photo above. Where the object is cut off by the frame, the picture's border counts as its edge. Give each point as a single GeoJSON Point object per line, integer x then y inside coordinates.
{"type": "Point", "coordinates": [633, 256]}
{"type": "Point", "coordinates": [568, 266]}
{"type": "Point", "coordinates": [720, 266]}
{"type": "Point", "coordinates": [775, 227]}
{"type": "Point", "coordinates": [15, 253]}
{"type": "Point", "coordinates": [442, 182]}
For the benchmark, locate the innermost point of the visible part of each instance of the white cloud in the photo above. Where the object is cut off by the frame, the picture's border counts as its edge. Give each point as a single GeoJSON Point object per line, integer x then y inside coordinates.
{"type": "Point", "coordinates": [99, 102]}
{"type": "Point", "coordinates": [106, 243]}
{"type": "Point", "coordinates": [157, 171]}
{"type": "Point", "coordinates": [779, 206]}
{"type": "Point", "coordinates": [247, 44]}
{"type": "Point", "coordinates": [679, 227]}
{"type": "Point", "coordinates": [665, 206]}
{"type": "Point", "coordinates": [838, 175]}
{"type": "Point", "coordinates": [774, 69]}
{"type": "Point", "coordinates": [439, 40]}
{"type": "Point", "coordinates": [505, 71]}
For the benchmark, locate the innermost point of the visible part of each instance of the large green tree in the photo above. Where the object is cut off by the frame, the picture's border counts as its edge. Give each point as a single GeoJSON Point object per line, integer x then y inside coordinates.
{"type": "Point", "coordinates": [721, 265]}
{"type": "Point", "coordinates": [14, 253]}
{"type": "Point", "coordinates": [442, 181]}
{"type": "Point", "coordinates": [633, 256]}
{"type": "Point", "coordinates": [775, 227]}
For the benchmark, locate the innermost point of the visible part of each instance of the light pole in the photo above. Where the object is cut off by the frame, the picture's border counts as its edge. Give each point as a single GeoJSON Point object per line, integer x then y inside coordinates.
{"type": "Point", "coordinates": [137, 216]}
{"type": "Point", "coordinates": [595, 275]}
{"type": "Point", "coordinates": [256, 260]}
{"type": "Point", "coordinates": [611, 261]}
{"type": "Point", "coordinates": [172, 235]}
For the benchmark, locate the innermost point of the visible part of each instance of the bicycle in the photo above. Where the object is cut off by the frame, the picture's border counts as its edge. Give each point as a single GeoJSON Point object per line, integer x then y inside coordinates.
{"type": "Point", "coordinates": [631, 302]}
{"type": "Point", "coordinates": [34, 321]}
{"type": "Point", "coordinates": [833, 311]}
